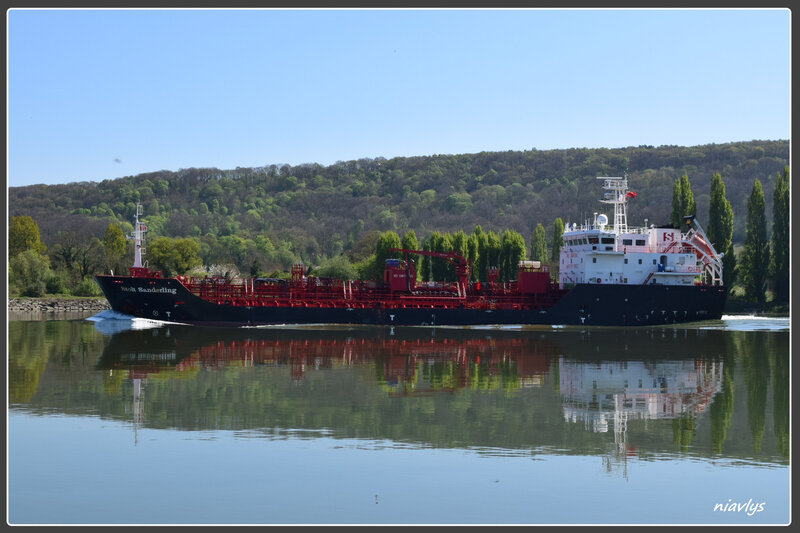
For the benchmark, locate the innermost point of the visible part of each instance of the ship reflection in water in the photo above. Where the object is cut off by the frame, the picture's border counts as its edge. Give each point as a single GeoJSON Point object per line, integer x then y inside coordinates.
{"type": "Point", "coordinates": [607, 396]}
{"type": "Point", "coordinates": [416, 424]}
{"type": "Point", "coordinates": [651, 375]}
{"type": "Point", "coordinates": [468, 357]}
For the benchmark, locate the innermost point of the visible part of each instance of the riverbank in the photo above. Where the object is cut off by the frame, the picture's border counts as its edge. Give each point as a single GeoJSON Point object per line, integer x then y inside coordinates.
{"type": "Point", "coordinates": [736, 306]}
{"type": "Point", "coordinates": [59, 305]}
{"type": "Point", "coordinates": [56, 305]}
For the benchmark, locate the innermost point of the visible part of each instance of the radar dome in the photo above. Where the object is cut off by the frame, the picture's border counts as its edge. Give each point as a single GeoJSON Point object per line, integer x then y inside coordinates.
{"type": "Point", "coordinates": [602, 220]}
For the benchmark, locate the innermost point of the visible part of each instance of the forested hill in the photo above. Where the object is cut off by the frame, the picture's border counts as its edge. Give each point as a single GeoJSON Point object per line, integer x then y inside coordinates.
{"type": "Point", "coordinates": [315, 211]}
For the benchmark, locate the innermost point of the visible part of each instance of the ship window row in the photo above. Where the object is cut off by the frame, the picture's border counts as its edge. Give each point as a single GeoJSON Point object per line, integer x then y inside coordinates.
{"type": "Point", "coordinates": [629, 242]}
{"type": "Point", "coordinates": [594, 260]}
{"type": "Point", "coordinates": [574, 242]}
{"type": "Point", "coordinates": [602, 240]}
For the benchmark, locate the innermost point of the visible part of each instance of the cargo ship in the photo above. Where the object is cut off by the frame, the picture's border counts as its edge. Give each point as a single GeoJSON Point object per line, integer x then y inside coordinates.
{"type": "Point", "coordinates": [609, 275]}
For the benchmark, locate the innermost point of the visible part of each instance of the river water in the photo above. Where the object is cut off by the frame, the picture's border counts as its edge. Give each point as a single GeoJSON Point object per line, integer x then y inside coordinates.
{"type": "Point", "coordinates": [113, 420]}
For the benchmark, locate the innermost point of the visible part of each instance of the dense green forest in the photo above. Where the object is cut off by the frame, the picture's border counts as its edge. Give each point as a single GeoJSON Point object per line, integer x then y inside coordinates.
{"type": "Point", "coordinates": [265, 218]}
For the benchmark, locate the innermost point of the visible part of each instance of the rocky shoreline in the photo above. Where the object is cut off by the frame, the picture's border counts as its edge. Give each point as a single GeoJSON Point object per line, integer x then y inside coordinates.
{"type": "Point", "coordinates": [56, 305]}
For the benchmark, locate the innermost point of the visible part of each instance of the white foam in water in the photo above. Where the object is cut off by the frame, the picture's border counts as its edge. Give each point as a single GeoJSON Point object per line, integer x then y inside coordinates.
{"type": "Point", "coordinates": [143, 323]}
{"type": "Point", "coordinates": [750, 317]}
{"type": "Point", "coordinates": [108, 314]}
{"type": "Point", "coordinates": [110, 322]}
{"type": "Point", "coordinates": [755, 323]}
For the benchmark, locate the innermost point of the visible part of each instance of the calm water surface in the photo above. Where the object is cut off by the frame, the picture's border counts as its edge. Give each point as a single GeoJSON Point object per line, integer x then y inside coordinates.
{"type": "Point", "coordinates": [120, 421]}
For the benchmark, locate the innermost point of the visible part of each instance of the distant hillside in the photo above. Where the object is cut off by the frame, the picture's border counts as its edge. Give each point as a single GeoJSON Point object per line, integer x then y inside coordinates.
{"type": "Point", "coordinates": [315, 211]}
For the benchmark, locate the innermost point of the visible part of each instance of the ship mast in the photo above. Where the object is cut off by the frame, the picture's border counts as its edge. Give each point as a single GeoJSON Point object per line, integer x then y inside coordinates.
{"type": "Point", "coordinates": [617, 194]}
{"type": "Point", "coordinates": [138, 238]}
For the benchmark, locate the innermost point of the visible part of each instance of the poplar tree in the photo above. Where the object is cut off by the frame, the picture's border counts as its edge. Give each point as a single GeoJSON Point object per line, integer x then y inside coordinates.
{"type": "Point", "coordinates": [409, 242]}
{"type": "Point", "coordinates": [539, 244]}
{"type": "Point", "coordinates": [755, 259]}
{"type": "Point", "coordinates": [720, 228]}
{"type": "Point", "coordinates": [458, 241]}
{"type": "Point", "coordinates": [779, 271]}
{"type": "Point", "coordinates": [441, 270]}
{"type": "Point", "coordinates": [675, 217]}
{"type": "Point", "coordinates": [482, 263]}
{"type": "Point", "coordinates": [385, 242]}
{"type": "Point", "coordinates": [720, 215]}
{"type": "Point", "coordinates": [687, 197]}
{"type": "Point", "coordinates": [492, 251]}
{"type": "Point", "coordinates": [425, 261]}
{"type": "Point", "coordinates": [730, 270]}
{"type": "Point", "coordinates": [683, 203]}
{"type": "Point", "coordinates": [512, 246]}
{"type": "Point", "coordinates": [472, 255]}
{"type": "Point", "coordinates": [558, 231]}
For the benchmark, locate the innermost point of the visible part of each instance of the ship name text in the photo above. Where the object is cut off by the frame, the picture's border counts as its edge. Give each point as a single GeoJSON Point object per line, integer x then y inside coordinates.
{"type": "Point", "coordinates": [160, 290]}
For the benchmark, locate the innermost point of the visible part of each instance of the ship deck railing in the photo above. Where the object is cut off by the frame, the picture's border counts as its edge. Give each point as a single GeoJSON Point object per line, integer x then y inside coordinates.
{"type": "Point", "coordinates": [241, 293]}
{"type": "Point", "coordinates": [627, 230]}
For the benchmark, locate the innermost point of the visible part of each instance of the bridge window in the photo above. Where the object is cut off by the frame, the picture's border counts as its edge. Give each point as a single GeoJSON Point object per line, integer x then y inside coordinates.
{"type": "Point", "coordinates": [639, 242]}
{"type": "Point", "coordinates": [607, 240]}
{"type": "Point", "coordinates": [627, 242]}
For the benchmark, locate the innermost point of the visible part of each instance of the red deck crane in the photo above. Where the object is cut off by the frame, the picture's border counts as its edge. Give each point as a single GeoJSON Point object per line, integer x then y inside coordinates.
{"type": "Point", "coordinates": [461, 264]}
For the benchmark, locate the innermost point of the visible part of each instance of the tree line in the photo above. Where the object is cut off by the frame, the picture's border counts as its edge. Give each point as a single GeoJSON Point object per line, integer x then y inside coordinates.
{"type": "Point", "coordinates": [260, 221]}
{"type": "Point", "coordinates": [763, 264]}
{"type": "Point", "coordinates": [314, 212]}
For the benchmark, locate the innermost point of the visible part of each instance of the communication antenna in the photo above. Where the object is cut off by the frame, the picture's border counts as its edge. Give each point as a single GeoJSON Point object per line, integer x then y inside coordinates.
{"type": "Point", "coordinates": [616, 194]}
{"type": "Point", "coordinates": [137, 235]}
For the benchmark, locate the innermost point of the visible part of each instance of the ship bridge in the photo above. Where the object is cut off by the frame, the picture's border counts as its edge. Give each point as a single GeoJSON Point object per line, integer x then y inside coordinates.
{"type": "Point", "coordinates": [602, 253]}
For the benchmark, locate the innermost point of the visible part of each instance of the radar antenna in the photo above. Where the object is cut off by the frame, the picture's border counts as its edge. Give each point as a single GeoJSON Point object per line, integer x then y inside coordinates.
{"type": "Point", "coordinates": [616, 193]}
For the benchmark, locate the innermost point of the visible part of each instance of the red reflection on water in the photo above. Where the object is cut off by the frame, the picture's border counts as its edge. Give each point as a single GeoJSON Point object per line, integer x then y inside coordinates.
{"type": "Point", "coordinates": [525, 361]}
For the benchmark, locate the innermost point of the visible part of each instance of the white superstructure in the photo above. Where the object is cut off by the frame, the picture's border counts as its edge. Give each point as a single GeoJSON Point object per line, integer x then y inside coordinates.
{"type": "Point", "coordinates": [597, 252]}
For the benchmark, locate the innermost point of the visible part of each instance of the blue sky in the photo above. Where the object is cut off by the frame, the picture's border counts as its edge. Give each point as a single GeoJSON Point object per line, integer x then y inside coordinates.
{"type": "Point", "coordinates": [102, 94]}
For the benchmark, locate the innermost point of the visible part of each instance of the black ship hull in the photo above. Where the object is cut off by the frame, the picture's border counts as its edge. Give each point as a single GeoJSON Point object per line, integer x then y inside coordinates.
{"type": "Point", "coordinates": [585, 304]}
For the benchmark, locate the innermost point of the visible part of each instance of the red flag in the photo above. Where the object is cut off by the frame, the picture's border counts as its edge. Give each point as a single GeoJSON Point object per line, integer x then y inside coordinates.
{"type": "Point", "coordinates": [631, 194]}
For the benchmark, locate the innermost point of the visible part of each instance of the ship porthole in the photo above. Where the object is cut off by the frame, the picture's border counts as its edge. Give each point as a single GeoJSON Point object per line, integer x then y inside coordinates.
{"type": "Point", "coordinates": [155, 312]}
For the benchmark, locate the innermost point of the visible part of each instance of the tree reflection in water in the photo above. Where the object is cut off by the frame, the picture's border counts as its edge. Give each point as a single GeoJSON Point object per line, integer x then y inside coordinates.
{"type": "Point", "coordinates": [614, 392]}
